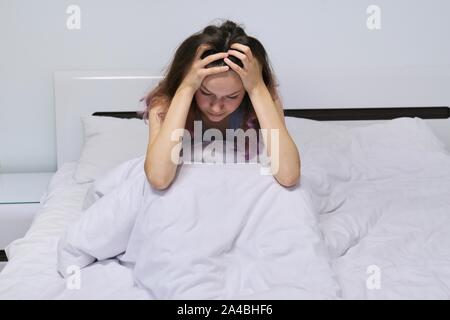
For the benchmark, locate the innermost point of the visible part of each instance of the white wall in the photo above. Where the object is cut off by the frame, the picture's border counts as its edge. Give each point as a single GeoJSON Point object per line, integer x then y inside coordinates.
{"type": "Point", "coordinates": [321, 50]}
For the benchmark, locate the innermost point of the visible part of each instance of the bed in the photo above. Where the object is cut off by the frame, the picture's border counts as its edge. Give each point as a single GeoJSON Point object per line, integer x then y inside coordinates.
{"type": "Point", "coordinates": [378, 180]}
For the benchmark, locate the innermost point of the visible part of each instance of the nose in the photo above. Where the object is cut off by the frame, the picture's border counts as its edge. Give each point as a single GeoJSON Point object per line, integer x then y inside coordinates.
{"type": "Point", "coordinates": [216, 105]}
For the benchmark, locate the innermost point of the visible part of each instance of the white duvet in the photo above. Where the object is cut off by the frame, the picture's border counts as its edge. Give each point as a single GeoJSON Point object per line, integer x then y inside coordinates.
{"type": "Point", "coordinates": [221, 231]}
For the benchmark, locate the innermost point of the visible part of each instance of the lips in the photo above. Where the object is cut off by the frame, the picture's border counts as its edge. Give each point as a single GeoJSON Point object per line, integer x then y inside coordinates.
{"type": "Point", "coordinates": [216, 115]}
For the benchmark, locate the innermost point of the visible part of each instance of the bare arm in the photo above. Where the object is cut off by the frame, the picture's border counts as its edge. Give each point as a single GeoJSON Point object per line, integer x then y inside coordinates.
{"type": "Point", "coordinates": [270, 116]}
{"type": "Point", "coordinates": [163, 151]}
{"type": "Point", "coordinates": [160, 168]}
{"type": "Point", "coordinates": [283, 153]}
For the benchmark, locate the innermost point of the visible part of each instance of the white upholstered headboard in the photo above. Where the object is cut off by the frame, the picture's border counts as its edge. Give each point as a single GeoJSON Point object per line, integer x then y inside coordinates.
{"type": "Point", "coordinates": [81, 93]}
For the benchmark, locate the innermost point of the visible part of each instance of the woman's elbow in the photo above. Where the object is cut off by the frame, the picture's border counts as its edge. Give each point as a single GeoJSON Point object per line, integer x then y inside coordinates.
{"type": "Point", "coordinates": [160, 185]}
{"type": "Point", "coordinates": [157, 181]}
{"type": "Point", "coordinates": [290, 180]}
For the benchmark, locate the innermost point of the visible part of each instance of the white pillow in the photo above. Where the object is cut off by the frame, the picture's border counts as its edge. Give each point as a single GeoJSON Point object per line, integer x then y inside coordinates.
{"type": "Point", "coordinates": [108, 142]}
{"type": "Point", "coordinates": [399, 146]}
{"type": "Point", "coordinates": [332, 154]}
{"type": "Point", "coordinates": [304, 131]}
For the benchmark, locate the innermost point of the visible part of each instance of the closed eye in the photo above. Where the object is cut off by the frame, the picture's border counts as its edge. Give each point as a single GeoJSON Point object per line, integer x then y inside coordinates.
{"type": "Point", "coordinates": [209, 94]}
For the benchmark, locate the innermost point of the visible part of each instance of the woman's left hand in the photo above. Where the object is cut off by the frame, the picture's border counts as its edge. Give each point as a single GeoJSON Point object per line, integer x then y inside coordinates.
{"type": "Point", "coordinates": [251, 73]}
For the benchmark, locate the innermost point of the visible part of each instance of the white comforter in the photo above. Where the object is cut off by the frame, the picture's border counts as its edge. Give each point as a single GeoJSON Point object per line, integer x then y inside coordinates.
{"type": "Point", "coordinates": [219, 232]}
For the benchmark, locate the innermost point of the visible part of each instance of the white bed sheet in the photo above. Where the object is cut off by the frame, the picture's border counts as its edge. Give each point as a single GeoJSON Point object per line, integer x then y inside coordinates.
{"type": "Point", "coordinates": [31, 272]}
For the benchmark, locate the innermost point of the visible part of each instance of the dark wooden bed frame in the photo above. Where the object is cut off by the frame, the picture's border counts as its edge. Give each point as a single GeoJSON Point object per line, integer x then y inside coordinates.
{"type": "Point", "coordinates": [3, 256]}
{"type": "Point", "coordinates": [338, 114]}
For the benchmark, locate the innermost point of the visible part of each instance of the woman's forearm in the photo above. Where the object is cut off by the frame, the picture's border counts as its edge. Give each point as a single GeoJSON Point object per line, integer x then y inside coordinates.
{"type": "Point", "coordinates": [287, 172]}
{"type": "Point", "coordinates": [163, 154]}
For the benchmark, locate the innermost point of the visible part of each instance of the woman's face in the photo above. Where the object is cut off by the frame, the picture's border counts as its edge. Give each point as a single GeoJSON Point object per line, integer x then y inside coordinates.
{"type": "Point", "coordinates": [219, 95]}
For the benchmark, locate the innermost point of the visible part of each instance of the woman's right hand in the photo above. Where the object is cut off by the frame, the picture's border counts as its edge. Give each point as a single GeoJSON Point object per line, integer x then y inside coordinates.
{"type": "Point", "coordinates": [197, 72]}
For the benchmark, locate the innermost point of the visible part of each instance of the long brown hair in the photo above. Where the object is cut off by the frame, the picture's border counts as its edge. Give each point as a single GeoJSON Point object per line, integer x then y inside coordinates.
{"type": "Point", "coordinates": [219, 38]}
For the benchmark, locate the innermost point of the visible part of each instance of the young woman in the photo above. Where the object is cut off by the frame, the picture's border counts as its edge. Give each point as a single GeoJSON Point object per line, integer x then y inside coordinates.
{"type": "Point", "coordinates": [222, 77]}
